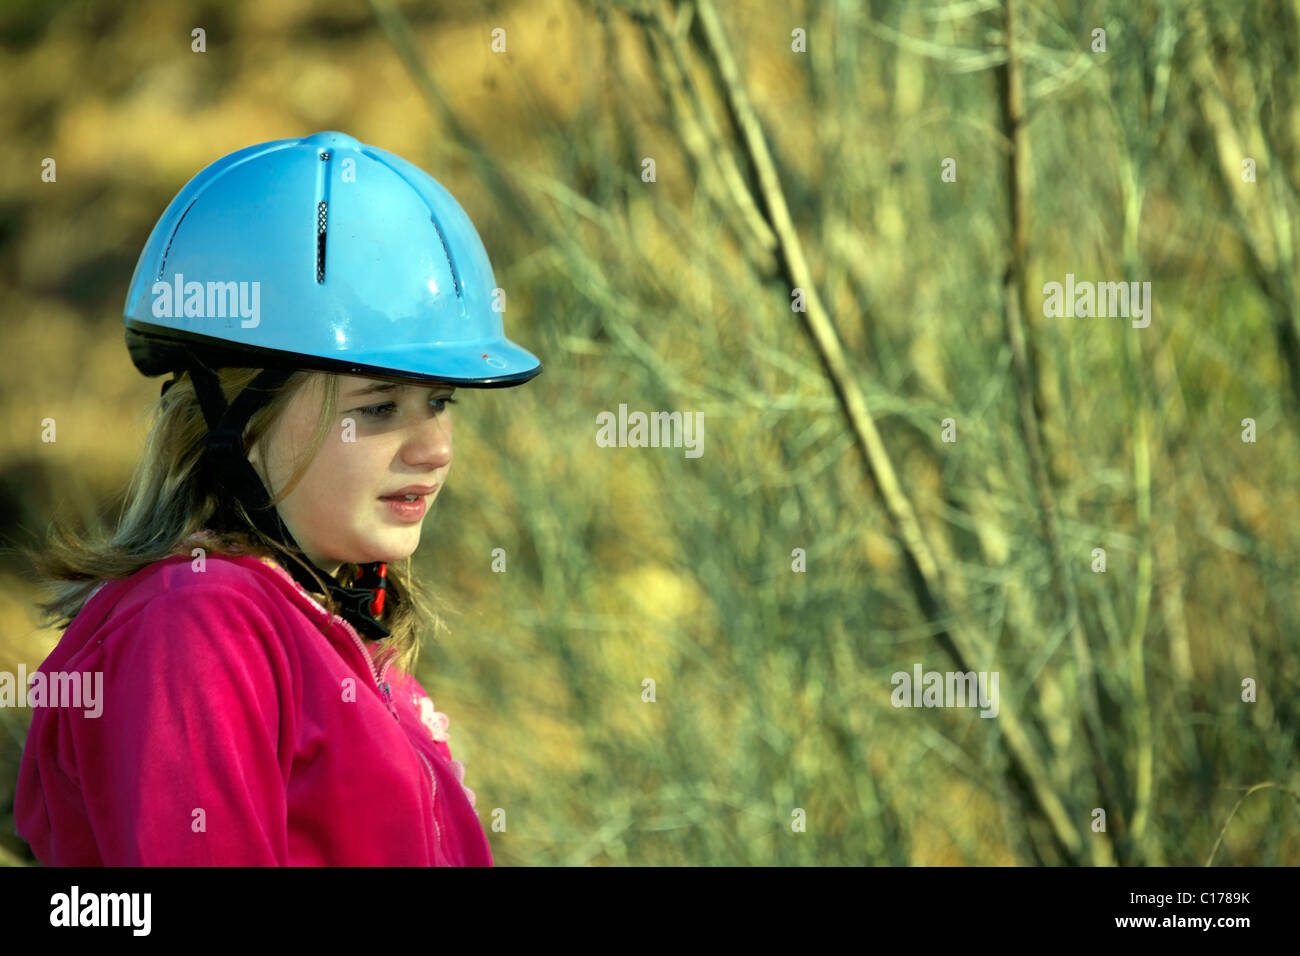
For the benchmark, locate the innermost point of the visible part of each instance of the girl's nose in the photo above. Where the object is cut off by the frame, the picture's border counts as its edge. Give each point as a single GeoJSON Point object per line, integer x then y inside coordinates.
{"type": "Point", "coordinates": [429, 442]}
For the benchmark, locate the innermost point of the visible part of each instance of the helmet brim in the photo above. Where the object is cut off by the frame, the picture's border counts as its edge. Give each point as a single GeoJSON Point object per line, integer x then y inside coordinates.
{"type": "Point", "coordinates": [498, 363]}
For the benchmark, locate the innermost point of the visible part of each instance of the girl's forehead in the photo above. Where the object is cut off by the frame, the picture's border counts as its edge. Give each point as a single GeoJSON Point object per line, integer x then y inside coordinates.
{"type": "Point", "coordinates": [353, 386]}
{"type": "Point", "coordinates": [355, 381]}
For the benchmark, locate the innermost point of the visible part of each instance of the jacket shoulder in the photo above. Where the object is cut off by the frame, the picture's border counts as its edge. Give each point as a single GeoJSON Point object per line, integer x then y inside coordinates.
{"type": "Point", "coordinates": [243, 573]}
{"type": "Point", "coordinates": [217, 579]}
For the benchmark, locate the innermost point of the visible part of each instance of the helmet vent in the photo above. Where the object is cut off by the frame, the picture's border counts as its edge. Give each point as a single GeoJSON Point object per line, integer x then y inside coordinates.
{"type": "Point", "coordinates": [162, 264]}
{"type": "Point", "coordinates": [455, 277]}
{"type": "Point", "coordinates": [322, 210]}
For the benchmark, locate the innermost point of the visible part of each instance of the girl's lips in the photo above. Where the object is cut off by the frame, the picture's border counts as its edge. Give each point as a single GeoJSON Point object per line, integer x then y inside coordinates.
{"type": "Point", "coordinates": [407, 510]}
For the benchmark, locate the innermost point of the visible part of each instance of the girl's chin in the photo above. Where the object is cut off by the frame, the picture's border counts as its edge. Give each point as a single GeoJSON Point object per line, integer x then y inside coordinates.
{"type": "Point", "coordinates": [391, 553]}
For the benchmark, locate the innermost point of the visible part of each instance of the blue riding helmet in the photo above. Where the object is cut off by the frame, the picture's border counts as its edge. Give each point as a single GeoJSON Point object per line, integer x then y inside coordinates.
{"type": "Point", "coordinates": [317, 253]}
{"type": "Point", "coordinates": [322, 253]}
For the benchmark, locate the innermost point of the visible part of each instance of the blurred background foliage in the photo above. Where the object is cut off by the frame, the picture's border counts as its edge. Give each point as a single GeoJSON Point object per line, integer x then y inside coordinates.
{"type": "Point", "coordinates": [774, 168]}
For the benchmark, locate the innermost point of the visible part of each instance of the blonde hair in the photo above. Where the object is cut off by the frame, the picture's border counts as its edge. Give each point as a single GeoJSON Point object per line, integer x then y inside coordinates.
{"type": "Point", "coordinates": [166, 502]}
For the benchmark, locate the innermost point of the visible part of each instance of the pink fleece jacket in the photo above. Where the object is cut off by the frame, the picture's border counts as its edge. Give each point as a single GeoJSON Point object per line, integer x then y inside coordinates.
{"type": "Point", "coordinates": [234, 732]}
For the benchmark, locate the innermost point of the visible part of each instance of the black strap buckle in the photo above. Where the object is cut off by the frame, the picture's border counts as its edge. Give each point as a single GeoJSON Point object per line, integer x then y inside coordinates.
{"type": "Point", "coordinates": [355, 603]}
{"type": "Point", "coordinates": [223, 443]}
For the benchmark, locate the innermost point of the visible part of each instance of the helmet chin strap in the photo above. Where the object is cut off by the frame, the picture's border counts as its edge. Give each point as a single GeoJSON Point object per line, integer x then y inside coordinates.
{"type": "Point", "coordinates": [232, 478]}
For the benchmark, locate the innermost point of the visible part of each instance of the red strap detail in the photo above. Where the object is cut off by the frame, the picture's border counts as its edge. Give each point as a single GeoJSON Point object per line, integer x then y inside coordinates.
{"type": "Point", "coordinates": [377, 605]}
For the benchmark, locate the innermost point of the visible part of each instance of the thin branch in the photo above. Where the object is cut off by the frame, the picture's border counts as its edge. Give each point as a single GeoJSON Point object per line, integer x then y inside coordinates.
{"type": "Point", "coordinates": [960, 60]}
{"type": "Point", "coordinates": [1236, 806]}
{"type": "Point", "coordinates": [1027, 361]}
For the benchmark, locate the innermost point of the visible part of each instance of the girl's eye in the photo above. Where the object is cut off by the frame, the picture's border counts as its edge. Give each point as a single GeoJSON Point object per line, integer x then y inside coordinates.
{"type": "Point", "coordinates": [384, 410]}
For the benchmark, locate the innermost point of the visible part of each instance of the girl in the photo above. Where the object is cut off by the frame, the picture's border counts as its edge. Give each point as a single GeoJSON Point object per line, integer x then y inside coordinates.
{"type": "Point", "coordinates": [318, 302]}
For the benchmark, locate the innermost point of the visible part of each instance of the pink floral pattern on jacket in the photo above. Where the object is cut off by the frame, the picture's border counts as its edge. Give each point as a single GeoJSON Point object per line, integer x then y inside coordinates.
{"type": "Point", "coordinates": [437, 724]}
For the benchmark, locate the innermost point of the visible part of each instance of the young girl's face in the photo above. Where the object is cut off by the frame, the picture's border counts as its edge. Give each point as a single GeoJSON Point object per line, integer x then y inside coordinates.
{"type": "Point", "coordinates": [379, 443]}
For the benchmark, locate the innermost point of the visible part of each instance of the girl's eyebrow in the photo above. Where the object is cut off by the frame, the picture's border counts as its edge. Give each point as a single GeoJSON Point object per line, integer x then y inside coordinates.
{"type": "Point", "coordinates": [387, 387]}
{"type": "Point", "coordinates": [377, 387]}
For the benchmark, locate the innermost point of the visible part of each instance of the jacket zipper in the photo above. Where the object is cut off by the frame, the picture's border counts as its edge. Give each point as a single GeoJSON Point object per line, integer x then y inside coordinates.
{"type": "Point", "coordinates": [384, 686]}
{"type": "Point", "coordinates": [437, 833]}
{"type": "Point", "coordinates": [378, 678]}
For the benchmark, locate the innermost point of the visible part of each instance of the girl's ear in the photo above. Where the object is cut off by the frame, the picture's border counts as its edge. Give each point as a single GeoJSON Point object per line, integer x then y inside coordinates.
{"type": "Point", "coordinates": [255, 459]}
